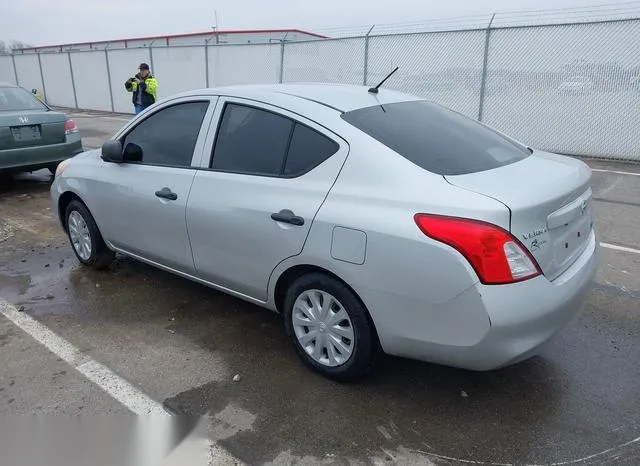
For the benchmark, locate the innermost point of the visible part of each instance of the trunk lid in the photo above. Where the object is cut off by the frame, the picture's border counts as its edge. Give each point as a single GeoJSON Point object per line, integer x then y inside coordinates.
{"type": "Point", "coordinates": [549, 197]}
{"type": "Point", "coordinates": [29, 128]}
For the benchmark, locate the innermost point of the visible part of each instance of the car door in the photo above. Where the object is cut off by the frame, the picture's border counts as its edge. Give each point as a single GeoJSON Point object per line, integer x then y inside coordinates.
{"type": "Point", "coordinates": [142, 201]}
{"type": "Point", "coordinates": [252, 207]}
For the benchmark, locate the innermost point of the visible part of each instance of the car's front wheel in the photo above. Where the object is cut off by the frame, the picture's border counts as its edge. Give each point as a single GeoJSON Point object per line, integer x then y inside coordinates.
{"type": "Point", "coordinates": [329, 327]}
{"type": "Point", "coordinates": [85, 238]}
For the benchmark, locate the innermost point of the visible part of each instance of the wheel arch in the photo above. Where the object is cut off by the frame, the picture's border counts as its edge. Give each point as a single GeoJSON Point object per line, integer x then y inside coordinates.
{"type": "Point", "coordinates": [292, 273]}
{"type": "Point", "coordinates": [63, 202]}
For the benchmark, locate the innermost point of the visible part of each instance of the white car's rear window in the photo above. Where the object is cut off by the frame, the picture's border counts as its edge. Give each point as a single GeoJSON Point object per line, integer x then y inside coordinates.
{"type": "Point", "coordinates": [435, 138]}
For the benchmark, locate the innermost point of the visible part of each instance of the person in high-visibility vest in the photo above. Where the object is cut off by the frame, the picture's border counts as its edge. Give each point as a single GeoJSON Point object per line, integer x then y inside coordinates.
{"type": "Point", "coordinates": [143, 86]}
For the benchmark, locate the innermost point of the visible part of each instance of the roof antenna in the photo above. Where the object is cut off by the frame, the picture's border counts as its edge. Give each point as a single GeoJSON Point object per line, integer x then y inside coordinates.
{"type": "Point", "coordinates": [374, 90]}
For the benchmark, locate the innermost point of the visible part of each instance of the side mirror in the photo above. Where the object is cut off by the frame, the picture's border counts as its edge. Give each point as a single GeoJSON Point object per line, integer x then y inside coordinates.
{"type": "Point", "coordinates": [112, 151]}
{"type": "Point", "coordinates": [132, 153]}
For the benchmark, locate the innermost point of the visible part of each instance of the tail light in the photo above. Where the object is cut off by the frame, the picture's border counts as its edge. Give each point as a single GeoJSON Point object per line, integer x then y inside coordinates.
{"type": "Point", "coordinates": [70, 127]}
{"type": "Point", "coordinates": [497, 256]}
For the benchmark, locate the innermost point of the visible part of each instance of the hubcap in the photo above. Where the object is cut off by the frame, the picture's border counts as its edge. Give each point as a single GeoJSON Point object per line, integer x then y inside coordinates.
{"type": "Point", "coordinates": [79, 234]}
{"type": "Point", "coordinates": [323, 328]}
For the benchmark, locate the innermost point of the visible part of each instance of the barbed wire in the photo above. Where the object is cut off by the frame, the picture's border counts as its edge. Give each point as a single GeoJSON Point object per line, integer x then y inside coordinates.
{"type": "Point", "coordinates": [618, 11]}
{"type": "Point", "coordinates": [507, 18]}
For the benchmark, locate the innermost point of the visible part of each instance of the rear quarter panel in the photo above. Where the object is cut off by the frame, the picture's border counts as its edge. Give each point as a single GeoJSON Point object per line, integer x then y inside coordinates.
{"type": "Point", "coordinates": [405, 277]}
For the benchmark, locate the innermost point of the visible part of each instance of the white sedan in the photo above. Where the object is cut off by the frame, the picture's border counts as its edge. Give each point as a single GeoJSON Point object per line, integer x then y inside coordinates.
{"type": "Point", "coordinates": [370, 219]}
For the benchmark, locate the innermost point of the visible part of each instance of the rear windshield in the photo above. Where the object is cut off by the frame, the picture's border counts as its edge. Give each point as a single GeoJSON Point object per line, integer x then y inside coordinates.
{"type": "Point", "coordinates": [17, 98]}
{"type": "Point", "coordinates": [435, 138]}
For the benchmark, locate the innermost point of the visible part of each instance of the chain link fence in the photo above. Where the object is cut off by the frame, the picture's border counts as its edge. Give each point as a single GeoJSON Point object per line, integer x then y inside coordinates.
{"type": "Point", "coordinates": [567, 88]}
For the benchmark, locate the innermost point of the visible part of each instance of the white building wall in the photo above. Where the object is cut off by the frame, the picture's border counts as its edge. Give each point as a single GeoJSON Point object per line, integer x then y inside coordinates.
{"type": "Point", "coordinates": [55, 69]}
{"type": "Point", "coordinates": [7, 75]}
{"type": "Point", "coordinates": [179, 69]}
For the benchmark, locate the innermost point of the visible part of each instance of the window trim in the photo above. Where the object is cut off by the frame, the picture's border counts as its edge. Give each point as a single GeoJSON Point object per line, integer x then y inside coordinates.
{"type": "Point", "coordinates": [293, 120]}
{"type": "Point", "coordinates": [173, 103]}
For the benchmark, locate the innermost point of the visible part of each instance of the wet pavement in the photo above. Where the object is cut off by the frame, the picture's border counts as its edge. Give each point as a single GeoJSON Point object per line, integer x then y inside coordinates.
{"type": "Point", "coordinates": [576, 403]}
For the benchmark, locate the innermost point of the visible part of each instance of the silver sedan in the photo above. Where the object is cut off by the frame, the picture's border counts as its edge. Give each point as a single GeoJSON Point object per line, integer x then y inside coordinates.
{"type": "Point", "coordinates": [372, 221]}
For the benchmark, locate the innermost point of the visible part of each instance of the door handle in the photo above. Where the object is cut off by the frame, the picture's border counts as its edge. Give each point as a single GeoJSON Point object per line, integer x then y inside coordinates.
{"type": "Point", "coordinates": [286, 216]}
{"type": "Point", "coordinates": [166, 193]}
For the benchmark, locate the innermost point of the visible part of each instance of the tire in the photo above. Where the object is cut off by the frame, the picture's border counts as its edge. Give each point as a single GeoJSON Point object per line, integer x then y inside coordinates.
{"type": "Point", "coordinates": [7, 181]}
{"type": "Point", "coordinates": [53, 168]}
{"type": "Point", "coordinates": [99, 256]}
{"type": "Point", "coordinates": [364, 349]}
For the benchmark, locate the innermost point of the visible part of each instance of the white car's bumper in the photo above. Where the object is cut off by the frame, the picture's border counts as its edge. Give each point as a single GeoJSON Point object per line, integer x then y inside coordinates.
{"type": "Point", "coordinates": [497, 325]}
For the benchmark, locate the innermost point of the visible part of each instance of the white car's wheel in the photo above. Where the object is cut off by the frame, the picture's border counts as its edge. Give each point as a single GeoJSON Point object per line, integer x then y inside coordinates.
{"type": "Point", "coordinates": [85, 238]}
{"type": "Point", "coordinates": [329, 327]}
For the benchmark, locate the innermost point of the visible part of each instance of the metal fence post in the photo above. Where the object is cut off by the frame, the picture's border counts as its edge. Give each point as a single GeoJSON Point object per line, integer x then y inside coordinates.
{"type": "Point", "coordinates": [44, 87]}
{"type": "Point", "coordinates": [281, 60]}
{"type": "Point", "coordinates": [73, 81]}
{"type": "Point", "coordinates": [106, 57]}
{"type": "Point", "coordinates": [151, 56]}
{"type": "Point", "coordinates": [483, 81]}
{"type": "Point", "coordinates": [366, 56]}
{"type": "Point", "coordinates": [206, 62]}
{"type": "Point", "coordinates": [282, 57]}
{"type": "Point", "coordinates": [15, 68]}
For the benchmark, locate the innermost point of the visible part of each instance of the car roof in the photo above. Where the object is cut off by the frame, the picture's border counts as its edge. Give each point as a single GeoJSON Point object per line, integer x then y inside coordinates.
{"type": "Point", "coordinates": [3, 84]}
{"type": "Point", "coordinates": [340, 97]}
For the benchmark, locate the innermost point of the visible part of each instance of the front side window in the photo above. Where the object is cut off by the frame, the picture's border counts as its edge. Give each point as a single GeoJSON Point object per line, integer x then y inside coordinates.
{"type": "Point", "coordinates": [260, 142]}
{"type": "Point", "coordinates": [18, 99]}
{"type": "Point", "coordinates": [167, 137]}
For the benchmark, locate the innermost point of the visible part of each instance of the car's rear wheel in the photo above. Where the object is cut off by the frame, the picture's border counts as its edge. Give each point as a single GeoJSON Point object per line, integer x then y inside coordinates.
{"type": "Point", "coordinates": [329, 327]}
{"type": "Point", "coordinates": [85, 238]}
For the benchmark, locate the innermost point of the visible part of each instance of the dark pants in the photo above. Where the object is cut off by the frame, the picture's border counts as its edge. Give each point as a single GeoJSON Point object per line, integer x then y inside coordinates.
{"type": "Point", "coordinates": [138, 108]}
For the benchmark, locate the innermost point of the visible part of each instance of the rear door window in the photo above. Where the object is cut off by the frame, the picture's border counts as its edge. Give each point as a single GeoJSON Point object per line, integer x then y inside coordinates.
{"type": "Point", "coordinates": [435, 138]}
{"type": "Point", "coordinates": [251, 141]}
{"type": "Point", "coordinates": [255, 141]}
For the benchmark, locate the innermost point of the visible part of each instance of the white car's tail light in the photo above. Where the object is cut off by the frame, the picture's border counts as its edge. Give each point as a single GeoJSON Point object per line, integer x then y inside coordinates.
{"type": "Point", "coordinates": [497, 256]}
{"type": "Point", "coordinates": [520, 263]}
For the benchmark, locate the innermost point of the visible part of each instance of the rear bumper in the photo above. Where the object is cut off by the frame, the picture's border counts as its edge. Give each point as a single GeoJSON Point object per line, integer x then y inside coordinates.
{"type": "Point", "coordinates": [32, 158]}
{"type": "Point", "coordinates": [521, 318]}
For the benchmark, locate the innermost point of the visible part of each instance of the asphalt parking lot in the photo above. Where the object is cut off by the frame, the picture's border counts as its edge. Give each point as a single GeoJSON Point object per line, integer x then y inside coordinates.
{"type": "Point", "coordinates": [181, 344]}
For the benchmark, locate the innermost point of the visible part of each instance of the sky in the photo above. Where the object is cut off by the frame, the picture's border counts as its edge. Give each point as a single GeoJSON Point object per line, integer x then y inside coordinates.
{"type": "Point", "coordinates": [45, 22]}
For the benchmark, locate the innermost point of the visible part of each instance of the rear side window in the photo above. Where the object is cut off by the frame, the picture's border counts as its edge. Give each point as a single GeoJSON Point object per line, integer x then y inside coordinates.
{"type": "Point", "coordinates": [308, 149]}
{"type": "Point", "coordinates": [259, 142]}
{"type": "Point", "coordinates": [435, 138]}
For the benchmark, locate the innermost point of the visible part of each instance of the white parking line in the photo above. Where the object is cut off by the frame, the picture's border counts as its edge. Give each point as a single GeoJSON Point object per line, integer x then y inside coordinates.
{"type": "Point", "coordinates": [616, 172]}
{"type": "Point", "coordinates": [620, 248]}
{"type": "Point", "coordinates": [118, 388]}
{"type": "Point", "coordinates": [115, 386]}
